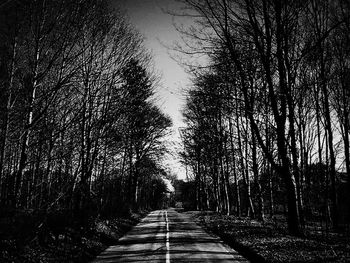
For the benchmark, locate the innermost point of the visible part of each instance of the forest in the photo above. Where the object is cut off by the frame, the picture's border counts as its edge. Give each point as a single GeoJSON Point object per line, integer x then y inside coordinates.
{"type": "Point", "coordinates": [265, 137]}
{"type": "Point", "coordinates": [81, 135]}
{"type": "Point", "coordinates": [267, 114]}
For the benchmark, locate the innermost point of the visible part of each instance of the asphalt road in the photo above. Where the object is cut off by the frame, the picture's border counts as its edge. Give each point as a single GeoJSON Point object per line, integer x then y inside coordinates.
{"type": "Point", "coordinates": [168, 236]}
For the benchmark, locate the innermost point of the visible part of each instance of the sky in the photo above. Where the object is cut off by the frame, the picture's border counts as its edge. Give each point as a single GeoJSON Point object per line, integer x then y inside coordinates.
{"type": "Point", "coordinates": [157, 27]}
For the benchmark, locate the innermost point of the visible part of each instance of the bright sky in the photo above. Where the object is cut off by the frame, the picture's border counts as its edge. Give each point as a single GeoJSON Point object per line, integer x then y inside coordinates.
{"type": "Point", "coordinates": [157, 28]}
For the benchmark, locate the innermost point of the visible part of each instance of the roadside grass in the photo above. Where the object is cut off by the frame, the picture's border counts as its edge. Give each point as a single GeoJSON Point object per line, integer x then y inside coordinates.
{"type": "Point", "coordinates": [269, 242]}
{"type": "Point", "coordinates": [69, 245]}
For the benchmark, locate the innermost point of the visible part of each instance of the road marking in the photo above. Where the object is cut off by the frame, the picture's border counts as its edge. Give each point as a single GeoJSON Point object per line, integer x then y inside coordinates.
{"type": "Point", "coordinates": [167, 256]}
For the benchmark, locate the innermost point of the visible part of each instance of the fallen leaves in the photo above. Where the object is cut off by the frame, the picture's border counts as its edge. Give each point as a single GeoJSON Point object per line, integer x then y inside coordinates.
{"type": "Point", "coordinates": [273, 244]}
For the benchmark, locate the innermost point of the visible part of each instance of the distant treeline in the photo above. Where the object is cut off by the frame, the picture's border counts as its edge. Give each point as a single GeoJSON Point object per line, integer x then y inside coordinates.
{"type": "Point", "coordinates": [268, 115]}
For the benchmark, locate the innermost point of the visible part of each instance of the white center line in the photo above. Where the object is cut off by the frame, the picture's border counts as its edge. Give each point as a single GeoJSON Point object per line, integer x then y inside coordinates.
{"type": "Point", "coordinates": [167, 257]}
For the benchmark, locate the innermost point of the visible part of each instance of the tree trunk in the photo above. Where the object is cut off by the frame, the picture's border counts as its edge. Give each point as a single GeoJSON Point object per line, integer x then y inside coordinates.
{"type": "Point", "coordinates": [251, 210]}
{"type": "Point", "coordinates": [237, 191]}
{"type": "Point", "coordinates": [295, 163]}
{"type": "Point", "coordinates": [6, 123]}
{"type": "Point", "coordinates": [197, 180]}
{"type": "Point", "coordinates": [24, 146]}
{"type": "Point", "coordinates": [328, 124]}
{"type": "Point", "coordinates": [318, 124]}
{"type": "Point", "coordinates": [227, 180]}
{"type": "Point", "coordinates": [260, 214]}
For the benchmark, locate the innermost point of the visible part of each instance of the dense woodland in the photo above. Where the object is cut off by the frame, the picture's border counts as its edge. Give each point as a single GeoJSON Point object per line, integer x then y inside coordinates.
{"type": "Point", "coordinates": [268, 112]}
{"type": "Point", "coordinates": [80, 133]}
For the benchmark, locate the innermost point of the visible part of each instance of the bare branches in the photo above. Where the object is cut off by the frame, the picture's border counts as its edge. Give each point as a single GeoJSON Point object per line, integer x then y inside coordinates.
{"type": "Point", "coordinates": [262, 54]}
{"type": "Point", "coordinates": [81, 102]}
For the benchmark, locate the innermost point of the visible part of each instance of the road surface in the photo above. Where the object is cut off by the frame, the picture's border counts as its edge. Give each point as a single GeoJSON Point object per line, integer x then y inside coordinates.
{"type": "Point", "coordinates": [168, 236]}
